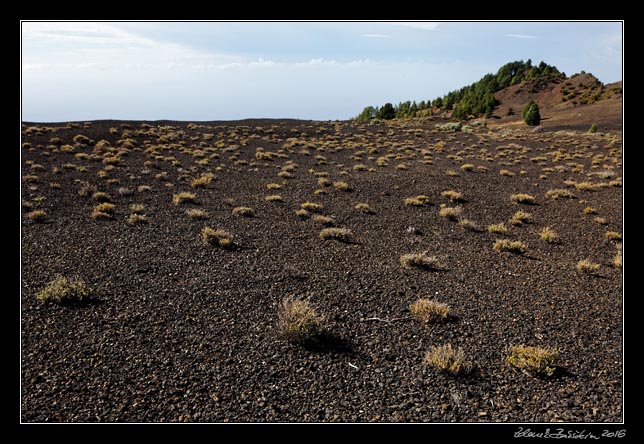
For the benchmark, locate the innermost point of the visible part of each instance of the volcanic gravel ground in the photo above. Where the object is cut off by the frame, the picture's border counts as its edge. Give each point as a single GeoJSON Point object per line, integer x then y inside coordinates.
{"type": "Point", "coordinates": [182, 331]}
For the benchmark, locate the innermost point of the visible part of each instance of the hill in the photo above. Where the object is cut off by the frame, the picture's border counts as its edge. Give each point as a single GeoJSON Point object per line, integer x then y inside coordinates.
{"type": "Point", "coordinates": [574, 102]}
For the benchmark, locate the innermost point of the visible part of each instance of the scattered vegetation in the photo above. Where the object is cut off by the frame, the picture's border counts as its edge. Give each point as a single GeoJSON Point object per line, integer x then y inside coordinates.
{"type": "Point", "coordinates": [587, 266]}
{"type": "Point", "coordinates": [452, 195]}
{"type": "Point", "coordinates": [448, 360]}
{"type": "Point", "coordinates": [302, 213]}
{"type": "Point", "coordinates": [214, 237]}
{"type": "Point", "coordinates": [299, 322]}
{"type": "Point", "coordinates": [613, 235]}
{"type": "Point", "coordinates": [196, 214]}
{"type": "Point", "coordinates": [62, 290]}
{"type": "Point", "coordinates": [516, 247]}
{"type": "Point", "coordinates": [243, 211]}
{"type": "Point", "coordinates": [520, 218]}
{"type": "Point", "coordinates": [135, 219]}
{"type": "Point", "coordinates": [418, 201]}
{"type": "Point", "coordinates": [499, 228]}
{"type": "Point", "coordinates": [451, 213]}
{"type": "Point", "coordinates": [39, 216]}
{"type": "Point", "coordinates": [426, 310]}
{"type": "Point", "coordinates": [183, 197]}
{"type": "Point", "coordinates": [274, 198]}
{"type": "Point", "coordinates": [522, 198]}
{"type": "Point", "coordinates": [549, 235]}
{"type": "Point", "coordinates": [421, 260]}
{"type": "Point", "coordinates": [342, 186]}
{"type": "Point", "coordinates": [103, 211]}
{"type": "Point", "coordinates": [365, 208]}
{"type": "Point", "coordinates": [312, 207]}
{"type": "Point", "coordinates": [559, 193]}
{"type": "Point", "coordinates": [535, 360]}
{"type": "Point", "coordinates": [203, 181]}
{"type": "Point", "coordinates": [340, 234]}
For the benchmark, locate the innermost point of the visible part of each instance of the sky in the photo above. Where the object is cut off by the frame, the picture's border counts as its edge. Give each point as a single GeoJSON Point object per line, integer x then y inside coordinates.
{"type": "Point", "coordinates": [202, 71]}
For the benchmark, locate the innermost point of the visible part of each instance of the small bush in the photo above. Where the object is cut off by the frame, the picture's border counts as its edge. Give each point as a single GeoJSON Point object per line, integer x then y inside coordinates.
{"type": "Point", "coordinates": [522, 198]}
{"type": "Point", "coordinates": [448, 360]}
{"type": "Point", "coordinates": [452, 173]}
{"type": "Point", "coordinates": [197, 214]}
{"type": "Point", "coordinates": [340, 234]}
{"type": "Point", "coordinates": [302, 213]}
{"type": "Point", "coordinates": [63, 290]}
{"type": "Point", "coordinates": [559, 193]}
{"type": "Point", "coordinates": [507, 173]}
{"type": "Point", "coordinates": [452, 195]}
{"type": "Point", "coordinates": [497, 228]}
{"type": "Point", "coordinates": [418, 201]}
{"type": "Point", "coordinates": [467, 224]}
{"type": "Point", "coordinates": [243, 211]}
{"type": "Point", "coordinates": [273, 186]}
{"type": "Point", "coordinates": [549, 235]}
{"type": "Point", "coordinates": [342, 186]}
{"type": "Point", "coordinates": [617, 260]}
{"type": "Point", "coordinates": [101, 197]}
{"type": "Point", "coordinates": [312, 207]}
{"type": "Point", "coordinates": [365, 208]}
{"type": "Point", "coordinates": [467, 167]}
{"type": "Point", "coordinates": [613, 235]}
{"type": "Point", "coordinates": [451, 213]}
{"type": "Point", "coordinates": [592, 129]}
{"type": "Point", "coordinates": [587, 266]}
{"type": "Point", "coordinates": [214, 237]}
{"type": "Point", "coordinates": [137, 208]}
{"type": "Point", "coordinates": [586, 186]}
{"type": "Point", "coordinates": [426, 310]}
{"type": "Point", "coordinates": [600, 220]}
{"type": "Point", "coordinates": [324, 220]}
{"type": "Point", "coordinates": [37, 216]}
{"type": "Point", "coordinates": [298, 321]}
{"type": "Point", "coordinates": [135, 218]}
{"type": "Point", "coordinates": [589, 210]}
{"type": "Point", "coordinates": [183, 197]}
{"type": "Point", "coordinates": [520, 218]}
{"type": "Point", "coordinates": [203, 181]}
{"type": "Point", "coordinates": [420, 260]}
{"type": "Point", "coordinates": [535, 360]}
{"type": "Point", "coordinates": [143, 188]}
{"type": "Point", "coordinates": [516, 247]}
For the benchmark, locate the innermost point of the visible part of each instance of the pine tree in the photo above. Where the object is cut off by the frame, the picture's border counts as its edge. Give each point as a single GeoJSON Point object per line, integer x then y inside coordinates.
{"type": "Point", "coordinates": [531, 114]}
{"type": "Point", "coordinates": [386, 112]}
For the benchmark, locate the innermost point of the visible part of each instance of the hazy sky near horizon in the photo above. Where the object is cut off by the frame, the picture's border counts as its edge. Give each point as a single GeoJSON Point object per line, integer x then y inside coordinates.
{"type": "Point", "coordinates": [308, 70]}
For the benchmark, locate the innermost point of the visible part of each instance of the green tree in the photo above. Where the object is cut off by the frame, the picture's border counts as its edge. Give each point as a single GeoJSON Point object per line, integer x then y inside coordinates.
{"type": "Point", "coordinates": [367, 114]}
{"type": "Point", "coordinates": [387, 112]}
{"type": "Point", "coordinates": [438, 102]}
{"type": "Point", "coordinates": [531, 114]}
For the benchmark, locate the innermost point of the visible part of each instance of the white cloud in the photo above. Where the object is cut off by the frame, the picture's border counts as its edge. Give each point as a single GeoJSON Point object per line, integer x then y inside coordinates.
{"type": "Point", "coordinates": [376, 36]}
{"type": "Point", "coordinates": [521, 36]}
{"type": "Point", "coordinates": [426, 26]}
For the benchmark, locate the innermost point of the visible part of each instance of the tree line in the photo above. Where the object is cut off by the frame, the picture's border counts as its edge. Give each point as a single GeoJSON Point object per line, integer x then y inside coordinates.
{"type": "Point", "coordinates": [475, 100]}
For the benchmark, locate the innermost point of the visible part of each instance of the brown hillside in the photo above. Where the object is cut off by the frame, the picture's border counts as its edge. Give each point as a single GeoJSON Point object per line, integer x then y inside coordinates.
{"type": "Point", "coordinates": [573, 103]}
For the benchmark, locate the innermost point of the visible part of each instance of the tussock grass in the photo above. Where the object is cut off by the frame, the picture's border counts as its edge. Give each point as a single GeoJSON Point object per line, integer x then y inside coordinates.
{"type": "Point", "coordinates": [451, 213]}
{"type": "Point", "coordinates": [613, 235]}
{"type": "Point", "coordinates": [183, 197]}
{"type": "Point", "coordinates": [37, 216]}
{"type": "Point", "coordinates": [499, 228]}
{"type": "Point", "coordinates": [587, 266]}
{"type": "Point", "coordinates": [64, 290]}
{"type": "Point", "coordinates": [448, 360]}
{"type": "Point", "coordinates": [339, 234]}
{"type": "Point", "coordinates": [274, 198]}
{"type": "Point", "coordinates": [559, 193]}
{"type": "Point", "coordinates": [219, 238]}
{"type": "Point", "coordinates": [243, 211]}
{"type": "Point", "coordinates": [418, 201]}
{"type": "Point", "coordinates": [421, 260]}
{"type": "Point", "coordinates": [365, 208]}
{"type": "Point", "coordinates": [549, 235]}
{"type": "Point", "coordinates": [535, 360]}
{"type": "Point", "coordinates": [516, 247]}
{"type": "Point", "coordinates": [203, 181]}
{"type": "Point", "coordinates": [311, 206]}
{"type": "Point", "coordinates": [135, 219]}
{"type": "Point", "coordinates": [196, 214]}
{"type": "Point", "coordinates": [522, 198]}
{"type": "Point", "coordinates": [453, 195]}
{"type": "Point", "coordinates": [426, 310]}
{"type": "Point", "coordinates": [298, 321]}
{"type": "Point", "coordinates": [520, 218]}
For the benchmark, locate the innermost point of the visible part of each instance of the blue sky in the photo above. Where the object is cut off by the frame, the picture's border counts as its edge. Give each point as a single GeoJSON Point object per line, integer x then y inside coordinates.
{"type": "Point", "coordinates": [308, 70]}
